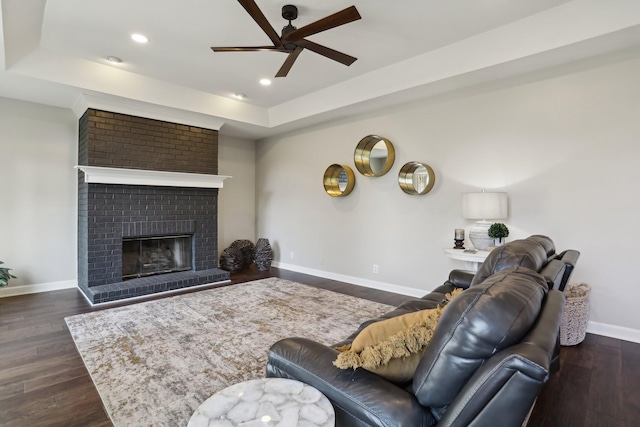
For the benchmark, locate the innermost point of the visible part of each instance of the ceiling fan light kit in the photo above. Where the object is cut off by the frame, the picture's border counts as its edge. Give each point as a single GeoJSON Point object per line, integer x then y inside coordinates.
{"type": "Point", "coordinates": [293, 41]}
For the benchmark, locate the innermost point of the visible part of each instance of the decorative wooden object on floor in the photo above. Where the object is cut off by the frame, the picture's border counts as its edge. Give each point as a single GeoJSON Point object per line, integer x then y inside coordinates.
{"type": "Point", "coordinates": [263, 254]}
{"type": "Point", "coordinates": [237, 256]}
{"type": "Point", "coordinates": [246, 247]}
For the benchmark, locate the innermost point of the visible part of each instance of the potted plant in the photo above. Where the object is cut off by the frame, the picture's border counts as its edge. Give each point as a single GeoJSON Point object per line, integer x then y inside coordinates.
{"type": "Point", "coordinates": [498, 231]}
{"type": "Point", "coordinates": [5, 275]}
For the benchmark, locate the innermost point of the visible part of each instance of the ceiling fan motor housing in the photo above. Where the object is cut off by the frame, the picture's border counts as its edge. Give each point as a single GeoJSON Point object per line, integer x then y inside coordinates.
{"type": "Point", "coordinates": [289, 12]}
{"type": "Point", "coordinates": [286, 30]}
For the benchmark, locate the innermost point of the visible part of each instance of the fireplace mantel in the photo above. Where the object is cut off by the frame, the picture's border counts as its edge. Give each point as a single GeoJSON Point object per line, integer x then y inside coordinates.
{"type": "Point", "coordinates": [104, 175]}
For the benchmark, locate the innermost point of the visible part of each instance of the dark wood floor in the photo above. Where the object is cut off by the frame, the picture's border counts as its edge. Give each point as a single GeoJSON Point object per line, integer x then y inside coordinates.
{"type": "Point", "coordinates": [43, 381]}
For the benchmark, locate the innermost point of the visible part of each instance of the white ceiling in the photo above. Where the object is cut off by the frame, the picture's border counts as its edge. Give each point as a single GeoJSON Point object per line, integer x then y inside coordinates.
{"type": "Point", "coordinates": [54, 52]}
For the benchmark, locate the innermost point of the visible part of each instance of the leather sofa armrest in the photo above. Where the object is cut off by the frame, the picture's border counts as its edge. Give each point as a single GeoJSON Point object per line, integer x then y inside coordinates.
{"type": "Point", "coordinates": [553, 273]}
{"type": "Point", "coordinates": [500, 393]}
{"type": "Point", "coordinates": [360, 397]}
{"type": "Point", "coordinates": [460, 278]}
{"type": "Point", "coordinates": [570, 258]}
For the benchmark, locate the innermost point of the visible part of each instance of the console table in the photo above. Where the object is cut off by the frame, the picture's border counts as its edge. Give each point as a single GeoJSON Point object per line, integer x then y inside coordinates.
{"type": "Point", "coordinates": [265, 402]}
{"type": "Point", "coordinates": [472, 260]}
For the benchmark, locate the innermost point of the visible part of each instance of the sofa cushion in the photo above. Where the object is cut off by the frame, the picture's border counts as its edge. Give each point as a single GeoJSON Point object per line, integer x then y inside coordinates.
{"type": "Point", "coordinates": [519, 253]}
{"type": "Point", "coordinates": [480, 322]}
{"type": "Point", "coordinates": [392, 348]}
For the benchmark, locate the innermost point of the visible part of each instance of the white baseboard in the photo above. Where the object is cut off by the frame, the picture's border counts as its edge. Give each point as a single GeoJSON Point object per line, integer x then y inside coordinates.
{"type": "Point", "coordinates": [413, 292]}
{"type": "Point", "coordinates": [10, 291]}
{"type": "Point", "coordinates": [612, 331]}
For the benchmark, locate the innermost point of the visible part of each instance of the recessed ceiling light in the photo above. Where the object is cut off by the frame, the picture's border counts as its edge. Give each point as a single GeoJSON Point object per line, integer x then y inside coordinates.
{"type": "Point", "coordinates": [139, 38]}
{"type": "Point", "coordinates": [114, 60]}
{"type": "Point", "coordinates": [239, 95]}
{"type": "Point", "coordinates": [265, 82]}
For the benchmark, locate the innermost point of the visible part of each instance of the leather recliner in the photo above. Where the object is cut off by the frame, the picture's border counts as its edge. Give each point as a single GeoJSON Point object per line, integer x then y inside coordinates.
{"type": "Point", "coordinates": [494, 348]}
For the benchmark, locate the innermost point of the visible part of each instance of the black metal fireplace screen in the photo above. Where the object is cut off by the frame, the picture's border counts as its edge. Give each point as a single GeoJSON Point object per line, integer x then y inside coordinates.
{"type": "Point", "coordinates": [146, 256]}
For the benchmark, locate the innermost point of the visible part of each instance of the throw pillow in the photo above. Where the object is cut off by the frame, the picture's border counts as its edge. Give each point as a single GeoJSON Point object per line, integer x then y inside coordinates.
{"type": "Point", "coordinates": [392, 348]}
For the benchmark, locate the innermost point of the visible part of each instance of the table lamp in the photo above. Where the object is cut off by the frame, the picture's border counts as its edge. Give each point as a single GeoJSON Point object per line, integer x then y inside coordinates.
{"type": "Point", "coordinates": [483, 206]}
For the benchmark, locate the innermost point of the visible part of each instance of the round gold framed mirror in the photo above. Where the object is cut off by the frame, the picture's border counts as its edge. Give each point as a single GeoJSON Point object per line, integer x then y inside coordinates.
{"type": "Point", "coordinates": [339, 180]}
{"type": "Point", "coordinates": [374, 155]}
{"type": "Point", "coordinates": [416, 178]}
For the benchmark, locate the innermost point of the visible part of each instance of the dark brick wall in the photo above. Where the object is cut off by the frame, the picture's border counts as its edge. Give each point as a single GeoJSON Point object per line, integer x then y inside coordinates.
{"type": "Point", "coordinates": [83, 139]}
{"type": "Point", "coordinates": [122, 141]}
{"type": "Point", "coordinates": [136, 210]}
{"type": "Point", "coordinates": [106, 213]}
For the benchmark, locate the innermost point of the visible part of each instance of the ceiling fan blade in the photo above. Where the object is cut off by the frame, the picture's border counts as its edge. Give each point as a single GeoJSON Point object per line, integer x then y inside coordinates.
{"type": "Point", "coordinates": [345, 16]}
{"type": "Point", "coordinates": [343, 58]}
{"type": "Point", "coordinates": [249, 49]}
{"type": "Point", "coordinates": [252, 8]}
{"type": "Point", "coordinates": [288, 63]}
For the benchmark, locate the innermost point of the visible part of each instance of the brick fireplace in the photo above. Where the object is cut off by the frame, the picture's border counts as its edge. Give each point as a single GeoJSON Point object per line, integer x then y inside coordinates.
{"type": "Point", "coordinates": [144, 179]}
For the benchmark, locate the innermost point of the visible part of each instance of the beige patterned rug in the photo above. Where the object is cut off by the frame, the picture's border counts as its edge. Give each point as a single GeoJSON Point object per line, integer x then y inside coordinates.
{"type": "Point", "coordinates": [153, 363]}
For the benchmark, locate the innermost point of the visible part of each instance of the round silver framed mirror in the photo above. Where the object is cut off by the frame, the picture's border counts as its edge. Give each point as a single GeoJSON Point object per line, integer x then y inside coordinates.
{"type": "Point", "coordinates": [339, 180]}
{"type": "Point", "coordinates": [374, 155]}
{"type": "Point", "coordinates": [416, 178]}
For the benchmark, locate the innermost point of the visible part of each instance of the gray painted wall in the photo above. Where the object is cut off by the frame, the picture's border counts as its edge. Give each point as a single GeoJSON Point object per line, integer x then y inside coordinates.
{"type": "Point", "coordinates": [565, 148]}
{"type": "Point", "coordinates": [38, 186]}
{"type": "Point", "coordinates": [237, 199]}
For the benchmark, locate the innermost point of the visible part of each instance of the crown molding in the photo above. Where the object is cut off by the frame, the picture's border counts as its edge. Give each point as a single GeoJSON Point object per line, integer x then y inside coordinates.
{"type": "Point", "coordinates": [116, 104]}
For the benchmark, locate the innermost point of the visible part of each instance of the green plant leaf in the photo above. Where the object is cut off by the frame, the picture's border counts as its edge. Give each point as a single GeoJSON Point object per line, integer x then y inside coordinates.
{"type": "Point", "coordinates": [5, 276]}
{"type": "Point", "coordinates": [497, 230]}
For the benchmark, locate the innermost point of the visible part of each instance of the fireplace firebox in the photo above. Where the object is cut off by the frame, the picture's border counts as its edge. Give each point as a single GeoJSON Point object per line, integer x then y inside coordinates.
{"type": "Point", "coordinates": [147, 256]}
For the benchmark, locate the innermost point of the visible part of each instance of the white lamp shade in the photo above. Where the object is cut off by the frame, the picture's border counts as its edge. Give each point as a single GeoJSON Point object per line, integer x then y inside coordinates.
{"type": "Point", "coordinates": [484, 205]}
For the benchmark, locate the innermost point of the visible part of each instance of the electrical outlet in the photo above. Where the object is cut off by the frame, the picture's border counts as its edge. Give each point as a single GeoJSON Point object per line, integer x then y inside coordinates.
{"type": "Point", "coordinates": [291, 254]}
{"type": "Point", "coordinates": [375, 268]}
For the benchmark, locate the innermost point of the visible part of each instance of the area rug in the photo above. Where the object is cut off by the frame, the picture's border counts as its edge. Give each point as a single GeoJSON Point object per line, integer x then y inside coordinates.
{"type": "Point", "coordinates": [153, 363]}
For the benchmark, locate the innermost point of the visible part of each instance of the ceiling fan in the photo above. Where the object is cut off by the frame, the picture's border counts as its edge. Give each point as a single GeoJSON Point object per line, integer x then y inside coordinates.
{"type": "Point", "coordinates": [293, 40]}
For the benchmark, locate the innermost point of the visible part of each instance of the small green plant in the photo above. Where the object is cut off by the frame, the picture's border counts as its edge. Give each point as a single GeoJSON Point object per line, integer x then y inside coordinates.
{"type": "Point", "coordinates": [5, 275]}
{"type": "Point", "coordinates": [498, 231]}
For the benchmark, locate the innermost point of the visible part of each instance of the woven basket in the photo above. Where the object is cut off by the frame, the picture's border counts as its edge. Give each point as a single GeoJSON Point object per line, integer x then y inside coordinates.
{"type": "Point", "coordinates": [573, 327]}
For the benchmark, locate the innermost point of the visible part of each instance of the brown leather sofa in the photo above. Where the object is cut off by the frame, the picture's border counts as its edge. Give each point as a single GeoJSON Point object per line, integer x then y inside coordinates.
{"type": "Point", "coordinates": [494, 348]}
